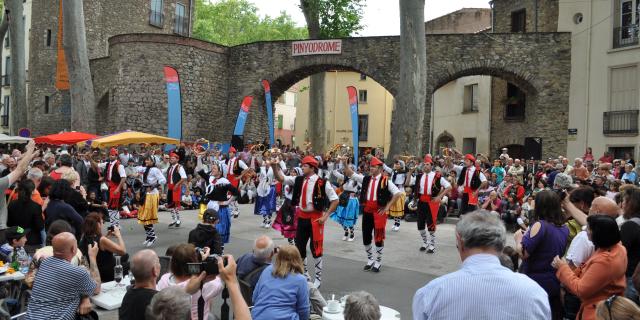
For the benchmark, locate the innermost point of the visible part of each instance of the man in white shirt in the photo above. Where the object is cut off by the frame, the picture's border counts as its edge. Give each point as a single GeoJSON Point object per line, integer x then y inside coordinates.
{"type": "Point", "coordinates": [377, 196]}
{"type": "Point", "coordinates": [315, 199]}
{"type": "Point", "coordinates": [176, 177]}
{"type": "Point", "coordinates": [116, 177]}
{"type": "Point", "coordinates": [429, 188]}
{"type": "Point", "coordinates": [482, 288]}
{"type": "Point", "coordinates": [471, 179]}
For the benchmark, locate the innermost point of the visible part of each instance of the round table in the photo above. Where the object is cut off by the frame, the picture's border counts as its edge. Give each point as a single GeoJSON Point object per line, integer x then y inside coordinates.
{"type": "Point", "coordinates": [386, 312]}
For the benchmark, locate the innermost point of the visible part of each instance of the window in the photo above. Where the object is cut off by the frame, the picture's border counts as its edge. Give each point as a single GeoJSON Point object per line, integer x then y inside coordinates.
{"type": "Point", "coordinates": [515, 104]}
{"type": "Point", "coordinates": [627, 23]}
{"type": "Point", "coordinates": [48, 38]}
{"type": "Point", "coordinates": [469, 145]}
{"type": "Point", "coordinates": [156, 16]}
{"type": "Point", "coordinates": [519, 21]}
{"type": "Point", "coordinates": [46, 104]}
{"type": "Point", "coordinates": [5, 111]}
{"type": "Point", "coordinates": [181, 23]}
{"type": "Point", "coordinates": [618, 152]}
{"type": "Point", "coordinates": [7, 40]}
{"type": "Point", "coordinates": [362, 96]}
{"type": "Point", "coordinates": [363, 77]}
{"type": "Point", "coordinates": [280, 121]}
{"type": "Point", "coordinates": [470, 98]}
{"type": "Point", "coordinates": [363, 127]}
{"type": "Point", "coordinates": [6, 78]}
{"type": "Point", "coordinates": [624, 89]}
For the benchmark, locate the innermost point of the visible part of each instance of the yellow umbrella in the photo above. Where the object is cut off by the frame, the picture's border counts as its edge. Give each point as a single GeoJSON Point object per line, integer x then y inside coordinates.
{"type": "Point", "coordinates": [125, 138]}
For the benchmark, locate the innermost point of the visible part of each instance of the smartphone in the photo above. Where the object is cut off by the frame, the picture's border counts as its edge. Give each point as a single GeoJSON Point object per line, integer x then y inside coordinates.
{"type": "Point", "coordinates": [111, 228]}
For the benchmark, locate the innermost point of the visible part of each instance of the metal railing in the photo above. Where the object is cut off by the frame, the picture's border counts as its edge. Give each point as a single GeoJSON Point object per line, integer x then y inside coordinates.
{"type": "Point", "coordinates": [625, 36]}
{"type": "Point", "coordinates": [156, 18]}
{"type": "Point", "coordinates": [620, 122]}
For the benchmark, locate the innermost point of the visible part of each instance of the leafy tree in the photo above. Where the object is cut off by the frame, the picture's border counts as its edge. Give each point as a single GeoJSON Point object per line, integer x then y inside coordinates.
{"type": "Point", "coordinates": [234, 22]}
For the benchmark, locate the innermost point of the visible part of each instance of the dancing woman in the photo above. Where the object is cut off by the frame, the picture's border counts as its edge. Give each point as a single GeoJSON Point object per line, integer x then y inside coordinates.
{"type": "Point", "coordinates": [148, 214]}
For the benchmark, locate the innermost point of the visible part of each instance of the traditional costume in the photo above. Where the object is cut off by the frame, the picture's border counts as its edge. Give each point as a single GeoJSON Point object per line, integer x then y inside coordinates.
{"type": "Point", "coordinates": [234, 168]}
{"type": "Point", "coordinates": [376, 193]}
{"type": "Point", "coordinates": [115, 174]}
{"type": "Point", "coordinates": [312, 196]}
{"type": "Point", "coordinates": [396, 211]}
{"type": "Point", "coordinates": [266, 199]}
{"type": "Point", "coordinates": [286, 219]}
{"type": "Point", "coordinates": [220, 192]}
{"type": "Point", "coordinates": [428, 186]}
{"type": "Point", "coordinates": [470, 178]}
{"type": "Point", "coordinates": [348, 209]}
{"type": "Point", "coordinates": [175, 178]}
{"type": "Point", "coordinates": [148, 213]}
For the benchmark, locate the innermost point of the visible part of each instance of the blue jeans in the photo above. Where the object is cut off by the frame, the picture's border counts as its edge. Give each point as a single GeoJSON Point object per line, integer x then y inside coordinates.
{"type": "Point", "coordinates": [631, 291]}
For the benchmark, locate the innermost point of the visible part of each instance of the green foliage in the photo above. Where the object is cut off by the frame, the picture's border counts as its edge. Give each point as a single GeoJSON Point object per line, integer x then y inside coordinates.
{"type": "Point", "coordinates": [340, 18]}
{"type": "Point", "coordinates": [234, 22]}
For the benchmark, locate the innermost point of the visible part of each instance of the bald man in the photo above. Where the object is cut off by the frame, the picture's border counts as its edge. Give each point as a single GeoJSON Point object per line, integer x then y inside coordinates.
{"type": "Point", "coordinates": [60, 289]}
{"type": "Point", "coordinates": [260, 258]}
{"type": "Point", "coordinates": [145, 267]}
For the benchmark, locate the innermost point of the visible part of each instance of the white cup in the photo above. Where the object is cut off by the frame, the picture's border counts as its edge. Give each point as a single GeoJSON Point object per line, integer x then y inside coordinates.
{"type": "Point", "coordinates": [333, 305]}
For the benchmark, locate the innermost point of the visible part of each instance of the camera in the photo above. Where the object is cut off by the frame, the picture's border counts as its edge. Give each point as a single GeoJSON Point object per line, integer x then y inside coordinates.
{"type": "Point", "coordinates": [562, 193]}
{"type": "Point", "coordinates": [111, 228]}
{"type": "Point", "coordinates": [210, 266]}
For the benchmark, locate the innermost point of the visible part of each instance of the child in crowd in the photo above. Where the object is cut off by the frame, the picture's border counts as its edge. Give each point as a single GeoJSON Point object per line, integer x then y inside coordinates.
{"type": "Point", "coordinates": [13, 250]}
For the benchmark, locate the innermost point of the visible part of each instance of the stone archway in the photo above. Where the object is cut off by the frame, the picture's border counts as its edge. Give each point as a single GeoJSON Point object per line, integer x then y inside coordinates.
{"type": "Point", "coordinates": [444, 140]}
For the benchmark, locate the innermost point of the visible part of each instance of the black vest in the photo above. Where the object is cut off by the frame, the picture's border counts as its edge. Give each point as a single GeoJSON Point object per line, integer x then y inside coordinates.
{"type": "Point", "coordinates": [435, 188]}
{"type": "Point", "coordinates": [384, 196]}
{"type": "Point", "coordinates": [475, 179]}
{"type": "Point", "coordinates": [236, 167]}
{"type": "Point", "coordinates": [175, 176]}
{"type": "Point", "coordinates": [115, 175]}
{"type": "Point", "coordinates": [319, 197]}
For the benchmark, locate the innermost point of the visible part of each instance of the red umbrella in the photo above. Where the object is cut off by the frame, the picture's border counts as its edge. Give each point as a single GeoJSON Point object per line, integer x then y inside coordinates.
{"type": "Point", "coordinates": [72, 137]}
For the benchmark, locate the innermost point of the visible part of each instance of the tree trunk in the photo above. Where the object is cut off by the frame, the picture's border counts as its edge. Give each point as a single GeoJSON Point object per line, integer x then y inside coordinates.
{"type": "Point", "coordinates": [83, 115]}
{"type": "Point", "coordinates": [317, 117]}
{"type": "Point", "coordinates": [407, 136]}
{"type": "Point", "coordinates": [18, 108]}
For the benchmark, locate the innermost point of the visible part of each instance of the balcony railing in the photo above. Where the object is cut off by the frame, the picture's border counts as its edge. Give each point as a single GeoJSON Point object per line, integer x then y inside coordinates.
{"type": "Point", "coordinates": [626, 36]}
{"type": "Point", "coordinates": [6, 80]}
{"type": "Point", "coordinates": [156, 18]}
{"type": "Point", "coordinates": [620, 122]}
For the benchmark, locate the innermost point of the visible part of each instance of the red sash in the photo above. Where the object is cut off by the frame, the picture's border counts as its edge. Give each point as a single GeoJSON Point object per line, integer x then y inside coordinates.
{"type": "Point", "coordinates": [317, 229]}
{"type": "Point", "coordinates": [434, 207]}
{"type": "Point", "coordinates": [114, 199]}
{"type": "Point", "coordinates": [379, 220]}
{"type": "Point", "coordinates": [176, 195]}
{"type": "Point", "coordinates": [232, 179]}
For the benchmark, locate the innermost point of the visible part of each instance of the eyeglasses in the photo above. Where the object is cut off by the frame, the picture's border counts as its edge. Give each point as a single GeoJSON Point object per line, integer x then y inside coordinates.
{"type": "Point", "coordinates": [609, 302]}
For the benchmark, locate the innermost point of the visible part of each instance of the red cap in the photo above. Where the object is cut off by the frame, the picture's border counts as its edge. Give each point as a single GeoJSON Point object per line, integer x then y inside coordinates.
{"type": "Point", "coordinates": [375, 162]}
{"type": "Point", "coordinates": [310, 161]}
{"type": "Point", "coordinates": [427, 159]}
{"type": "Point", "coordinates": [113, 152]}
{"type": "Point", "coordinates": [173, 155]}
{"type": "Point", "coordinates": [470, 157]}
{"type": "Point", "coordinates": [232, 149]}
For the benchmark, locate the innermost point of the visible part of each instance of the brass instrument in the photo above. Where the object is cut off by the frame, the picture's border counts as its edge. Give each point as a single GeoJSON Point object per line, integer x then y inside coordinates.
{"type": "Point", "coordinates": [258, 148]}
{"type": "Point", "coordinates": [271, 153]}
{"type": "Point", "coordinates": [413, 205]}
{"type": "Point", "coordinates": [410, 161]}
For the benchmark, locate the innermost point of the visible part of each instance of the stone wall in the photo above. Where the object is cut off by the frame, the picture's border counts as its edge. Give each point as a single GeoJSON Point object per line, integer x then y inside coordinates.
{"type": "Point", "coordinates": [467, 20]}
{"type": "Point", "coordinates": [103, 19]}
{"type": "Point", "coordinates": [133, 82]}
{"type": "Point", "coordinates": [547, 14]}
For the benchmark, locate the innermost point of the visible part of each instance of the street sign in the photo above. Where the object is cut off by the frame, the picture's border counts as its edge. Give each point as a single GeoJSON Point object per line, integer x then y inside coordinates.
{"type": "Point", "coordinates": [25, 133]}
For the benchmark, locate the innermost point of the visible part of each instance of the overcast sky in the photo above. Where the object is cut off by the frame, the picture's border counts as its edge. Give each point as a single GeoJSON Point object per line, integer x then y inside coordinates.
{"type": "Point", "coordinates": [381, 17]}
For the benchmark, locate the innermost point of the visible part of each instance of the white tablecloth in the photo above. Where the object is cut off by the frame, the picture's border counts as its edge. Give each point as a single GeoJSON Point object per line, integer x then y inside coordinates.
{"type": "Point", "coordinates": [110, 296]}
{"type": "Point", "coordinates": [387, 314]}
{"type": "Point", "coordinates": [12, 277]}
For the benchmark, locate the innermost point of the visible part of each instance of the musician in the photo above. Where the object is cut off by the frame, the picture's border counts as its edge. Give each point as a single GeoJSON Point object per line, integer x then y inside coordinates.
{"type": "Point", "coordinates": [219, 193]}
{"type": "Point", "coordinates": [472, 179]}
{"type": "Point", "coordinates": [116, 177]}
{"type": "Point", "coordinates": [176, 177]}
{"type": "Point", "coordinates": [429, 187]}
{"type": "Point", "coordinates": [315, 199]}
{"type": "Point", "coordinates": [152, 178]}
{"type": "Point", "coordinates": [378, 194]}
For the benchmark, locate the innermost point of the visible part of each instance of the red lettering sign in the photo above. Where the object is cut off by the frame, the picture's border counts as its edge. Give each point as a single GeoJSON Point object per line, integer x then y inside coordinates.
{"type": "Point", "coordinates": [313, 47]}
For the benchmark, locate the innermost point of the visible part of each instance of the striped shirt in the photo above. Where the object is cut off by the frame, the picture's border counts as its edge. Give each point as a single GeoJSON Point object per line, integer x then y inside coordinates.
{"type": "Point", "coordinates": [481, 289]}
{"type": "Point", "coordinates": [57, 290]}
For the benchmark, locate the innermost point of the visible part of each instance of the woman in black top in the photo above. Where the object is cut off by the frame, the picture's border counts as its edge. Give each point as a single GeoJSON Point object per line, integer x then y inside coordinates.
{"type": "Point", "coordinates": [58, 209]}
{"type": "Point", "coordinates": [25, 213]}
{"type": "Point", "coordinates": [630, 236]}
{"type": "Point", "coordinates": [92, 232]}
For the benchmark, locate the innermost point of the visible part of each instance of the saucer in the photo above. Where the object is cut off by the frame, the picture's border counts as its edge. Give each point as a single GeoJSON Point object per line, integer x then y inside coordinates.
{"type": "Point", "coordinates": [326, 309]}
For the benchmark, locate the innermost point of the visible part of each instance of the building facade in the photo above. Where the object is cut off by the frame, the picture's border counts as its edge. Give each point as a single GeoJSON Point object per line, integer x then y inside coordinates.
{"type": "Point", "coordinates": [605, 75]}
{"type": "Point", "coordinates": [375, 105]}
{"type": "Point", "coordinates": [285, 117]}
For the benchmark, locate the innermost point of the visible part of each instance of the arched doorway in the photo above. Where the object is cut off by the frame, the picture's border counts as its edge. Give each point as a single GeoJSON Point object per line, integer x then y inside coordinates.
{"type": "Point", "coordinates": [445, 140]}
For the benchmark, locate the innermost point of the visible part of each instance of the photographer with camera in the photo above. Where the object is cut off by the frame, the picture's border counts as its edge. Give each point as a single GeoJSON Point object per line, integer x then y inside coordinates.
{"type": "Point", "coordinates": [205, 235]}
{"type": "Point", "coordinates": [185, 262]}
{"type": "Point", "coordinates": [92, 232]}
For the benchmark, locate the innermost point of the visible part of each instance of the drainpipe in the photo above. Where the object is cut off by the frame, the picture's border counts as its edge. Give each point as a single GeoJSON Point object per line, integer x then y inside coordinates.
{"type": "Point", "coordinates": [588, 97]}
{"type": "Point", "coordinates": [493, 17]}
{"type": "Point", "coordinates": [535, 23]}
{"type": "Point", "coordinates": [190, 17]}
